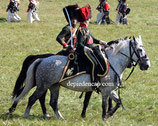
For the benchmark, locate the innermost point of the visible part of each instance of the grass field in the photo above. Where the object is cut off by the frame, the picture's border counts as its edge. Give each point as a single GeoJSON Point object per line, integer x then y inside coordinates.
{"type": "Point", "coordinates": [18, 40]}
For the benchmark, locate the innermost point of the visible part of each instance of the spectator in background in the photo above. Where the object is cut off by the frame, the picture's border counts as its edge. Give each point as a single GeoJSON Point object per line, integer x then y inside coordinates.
{"type": "Point", "coordinates": [122, 9]}
{"type": "Point", "coordinates": [104, 10]}
{"type": "Point", "coordinates": [32, 11]}
{"type": "Point", "coordinates": [12, 11]}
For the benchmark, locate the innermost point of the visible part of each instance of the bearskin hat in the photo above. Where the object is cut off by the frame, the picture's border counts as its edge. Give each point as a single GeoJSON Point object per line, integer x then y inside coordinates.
{"type": "Point", "coordinates": [72, 10]}
{"type": "Point", "coordinates": [84, 13]}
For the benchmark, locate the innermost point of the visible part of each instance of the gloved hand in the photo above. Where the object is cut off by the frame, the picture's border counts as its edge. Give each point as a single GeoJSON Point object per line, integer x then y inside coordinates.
{"type": "Point", "coordinates": [66, 46]}
{"type": "Point", "coordinates": [87, 49]}
{"type": "Point", "coordinates": [103, 43]}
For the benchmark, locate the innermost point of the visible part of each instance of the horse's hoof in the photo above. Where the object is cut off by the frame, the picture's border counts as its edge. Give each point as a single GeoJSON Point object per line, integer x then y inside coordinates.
{"type": "Point", "coordinates": [47, 115]}
{"type": "Point", "coordinates": [9, 113]}
{"type": "Point", "coordinates": [26, 116]}
{"type": "Point", "coordinates": [83, 115]}
{"type": "Point", "coordinates": [110, 113]}
{"type": "Point", "coordinates": [105, 118]}
{"type": "Point", "coordinates": [62, 118]}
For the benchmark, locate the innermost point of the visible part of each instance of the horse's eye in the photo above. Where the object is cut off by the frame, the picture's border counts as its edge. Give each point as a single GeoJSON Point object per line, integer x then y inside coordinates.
{"type": "Point", "coordinates": [140, 50]}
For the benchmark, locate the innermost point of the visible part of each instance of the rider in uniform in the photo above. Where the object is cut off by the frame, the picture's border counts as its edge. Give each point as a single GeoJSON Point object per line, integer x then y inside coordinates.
{"type": "Point", "coordinates": [64, 37]}
{"type": "Point", "coordinates": [85, 41]}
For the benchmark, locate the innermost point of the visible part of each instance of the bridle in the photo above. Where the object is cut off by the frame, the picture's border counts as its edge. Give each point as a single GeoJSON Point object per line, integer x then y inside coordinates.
{"type": "Point", "coordinates": [134, 63]}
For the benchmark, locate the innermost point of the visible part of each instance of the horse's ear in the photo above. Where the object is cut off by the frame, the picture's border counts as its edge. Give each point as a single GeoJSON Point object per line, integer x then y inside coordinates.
{"type": "Point", "coordinates": [126, 37]}
{"type": "Point", "coordinates": [134, 38]}
{"type": "Point", "coordinates": [140, 37]}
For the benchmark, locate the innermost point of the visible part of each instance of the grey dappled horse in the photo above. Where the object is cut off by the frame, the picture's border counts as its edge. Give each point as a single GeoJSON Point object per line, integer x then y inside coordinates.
{"type": "Point", "coordinates": [48, 71]}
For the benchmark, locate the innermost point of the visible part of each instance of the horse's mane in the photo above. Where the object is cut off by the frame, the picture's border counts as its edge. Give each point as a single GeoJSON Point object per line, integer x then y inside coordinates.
{"type": "Point", "coordinates": [118, 44]}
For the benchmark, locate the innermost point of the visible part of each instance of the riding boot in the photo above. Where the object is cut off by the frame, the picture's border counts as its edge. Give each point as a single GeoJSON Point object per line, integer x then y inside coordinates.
{"type": "Point", "coordinates": [102, 64]}
{"type": "Point", "coordinates": [94, 72]}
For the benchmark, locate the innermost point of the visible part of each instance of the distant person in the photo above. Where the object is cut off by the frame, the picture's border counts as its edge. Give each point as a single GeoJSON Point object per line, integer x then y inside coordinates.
{"type": "Point", "coordinates": [32, 11]}
{"type": "Point", "coordinates": [122, 9]}
{"type": "Point", "coordinates": [104, 10]}
{"type": "Point", "coordinates": [12, 11]}
{"type": "Point", "coordinates": [118, 6]}
{"type": "Point", "coordinates": [64, 37]}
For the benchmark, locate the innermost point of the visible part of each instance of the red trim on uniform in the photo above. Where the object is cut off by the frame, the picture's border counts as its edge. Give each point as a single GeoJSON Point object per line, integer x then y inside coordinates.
{"type": "Point", "coordinates": [90, 41]}
{"type": "Point", "coordinates": [83, 25]}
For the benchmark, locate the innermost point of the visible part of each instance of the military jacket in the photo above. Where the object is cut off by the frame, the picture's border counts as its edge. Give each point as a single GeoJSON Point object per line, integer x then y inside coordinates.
{"type": "Point", "coordinates": [12, 7]}
{"type": "Point", "coordinates": [65, 35]}
{"type": "Point", "coordinates": [85, 38]}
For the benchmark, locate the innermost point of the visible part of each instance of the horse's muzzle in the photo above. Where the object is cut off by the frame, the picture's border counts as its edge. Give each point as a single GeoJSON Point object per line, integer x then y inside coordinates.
{"type": "Point", "coordinates": [145, 65]}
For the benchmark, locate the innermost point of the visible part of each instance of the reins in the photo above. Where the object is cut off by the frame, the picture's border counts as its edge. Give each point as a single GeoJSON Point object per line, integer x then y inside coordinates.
{"type": "Point", "coordinates": [119, 85]}
{"type": "Point", "coordinates": [131, 61]}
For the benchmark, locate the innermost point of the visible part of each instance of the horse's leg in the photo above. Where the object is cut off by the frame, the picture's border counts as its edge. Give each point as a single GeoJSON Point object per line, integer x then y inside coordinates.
{"type": "Point", "coordinates": [109, 104]}
{"type": "Point", "coordinates": [115, 97]}
{"type": "Point", "coordinates": [85, 103]}
{"type": "Point", "coordinates": [42, 102]}
{"type": "Point", "coordinates": [32, 99]}
{"type": "Point", "coordinates": [13, 107]}
{"type": "Point", "coordinates": [104, 106]}
{"type": "Point", "coordinates": [54, 100]}
{"type": "Point", "coordinates": [105, 96]}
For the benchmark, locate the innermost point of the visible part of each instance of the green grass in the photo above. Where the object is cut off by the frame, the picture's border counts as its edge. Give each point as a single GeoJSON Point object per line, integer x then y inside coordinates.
{"type": "Point", "coordinates": [18, 40]}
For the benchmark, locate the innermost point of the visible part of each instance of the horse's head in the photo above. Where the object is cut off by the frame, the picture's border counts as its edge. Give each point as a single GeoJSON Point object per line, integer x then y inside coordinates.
{"type": "Point", "coordinates": [138, 53]}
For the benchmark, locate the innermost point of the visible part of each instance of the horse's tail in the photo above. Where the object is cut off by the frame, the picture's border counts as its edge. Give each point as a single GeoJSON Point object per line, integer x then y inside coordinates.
{"type": "Point", "coordinates": [29, 79]}
{"type": "Point", "coordinates": [22, 76]}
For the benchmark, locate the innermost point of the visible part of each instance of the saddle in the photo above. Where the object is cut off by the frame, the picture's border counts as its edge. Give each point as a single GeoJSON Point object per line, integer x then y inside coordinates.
{"type": "Point", "coordinates": [77, 65]}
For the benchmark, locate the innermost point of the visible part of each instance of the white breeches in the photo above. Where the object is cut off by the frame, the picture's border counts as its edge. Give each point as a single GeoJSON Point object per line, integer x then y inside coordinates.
{"type": "Point", "coordinates": [32, 16]}
{"type": "Point", "coordinates": [99, 17]}
{"type": "Point", "coordinates": [13, 17]}
{"type": "Point", "coordinates": [123, 21]}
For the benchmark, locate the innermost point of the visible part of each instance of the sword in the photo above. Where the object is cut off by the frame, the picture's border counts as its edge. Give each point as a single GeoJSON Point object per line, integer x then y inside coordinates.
{"type": "Point", "coordinates": [70, 27]}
